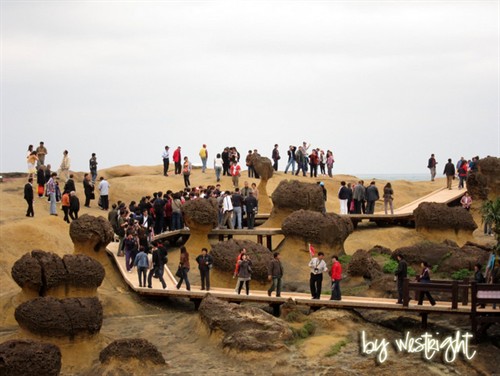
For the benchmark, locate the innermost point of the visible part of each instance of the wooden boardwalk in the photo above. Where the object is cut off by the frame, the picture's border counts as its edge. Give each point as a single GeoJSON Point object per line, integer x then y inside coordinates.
{"type": "Point", "coordinates": [347, 302]}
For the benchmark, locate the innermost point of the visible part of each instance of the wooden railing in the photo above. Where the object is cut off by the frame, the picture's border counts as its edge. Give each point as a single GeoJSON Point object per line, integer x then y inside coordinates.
{"type": "Point", "coordinates": [450, 286]}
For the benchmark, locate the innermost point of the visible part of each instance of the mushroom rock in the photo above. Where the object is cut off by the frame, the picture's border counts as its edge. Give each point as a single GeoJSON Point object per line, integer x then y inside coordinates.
{"type": "Point", "coordinates": [201, 216]}
{"type": "Point", "coordinates": [42, 273]}
{"type": "Point", "coordinates": [69, 317]}
{"type": "Point", "coordinates": [485, 183]}
{"type": "Point", "coordinates": [225, 254]}
{"type": "Point", "coordinates": [264, 168]}
{"type": "Point", "coordinates": [244, 328]}
{"type": "Point", "coordinates": [327, 231]}
{"type": "Point", "coordinates": [27, 357]}
{"type": "Point", "coordinates": [292, 195]}
{"type": "Point", "coordinates": [124, 350]}
{"type": "Point", "coordinates": [91, 235]}
{"type": "Point", "coordinates": [438, 222]}
{"type": "Point", "coordinates": [362, 264]}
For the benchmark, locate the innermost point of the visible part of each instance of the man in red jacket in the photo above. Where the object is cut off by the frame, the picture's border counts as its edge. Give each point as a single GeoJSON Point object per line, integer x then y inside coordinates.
{"type": "Point", "coordinates": [336, 277]}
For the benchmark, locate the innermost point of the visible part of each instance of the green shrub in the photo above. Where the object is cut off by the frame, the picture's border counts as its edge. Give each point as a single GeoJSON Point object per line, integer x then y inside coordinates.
{"type": "Point", "coordinates": [310, 327]}
{"type": "Point", "coordinates": [435, 268]}
{"type": "Point", "coordinates": [461, 274]}
{"type": "Point", "coordinates": [390, 267]}
{"type": "Point", "coordinates": [293, 316]}
{"type": "Point", "coordinates": [411, 272]}
{"type": "Point", "coordinates": [335, 349]}
{"type": "Point", "coordinates": [345, 259]}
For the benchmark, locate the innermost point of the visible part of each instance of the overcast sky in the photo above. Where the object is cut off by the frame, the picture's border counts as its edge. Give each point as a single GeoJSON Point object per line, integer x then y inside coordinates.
{"type": "Point", "coordinates": [381, 83]}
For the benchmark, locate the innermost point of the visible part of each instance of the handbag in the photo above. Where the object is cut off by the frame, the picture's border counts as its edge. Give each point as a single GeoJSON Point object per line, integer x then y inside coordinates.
{"type": "Point", "coordinates": [92, 196]}
{"type": "Point", "coordinates": [178, 273]}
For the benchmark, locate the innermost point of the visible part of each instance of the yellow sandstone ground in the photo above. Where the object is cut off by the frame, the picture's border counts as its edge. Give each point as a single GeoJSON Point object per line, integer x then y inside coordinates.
{"type": "Point", "coordinates": [127, 315]}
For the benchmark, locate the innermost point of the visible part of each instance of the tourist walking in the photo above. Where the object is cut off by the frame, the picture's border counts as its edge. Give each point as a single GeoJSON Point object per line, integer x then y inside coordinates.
{"type": "Point", "coordinates": [186, 172]}
{"type": "Point", "coordinates": [142, 263]}
{"type": "Point", "coordinates": [183, 270]}
{"type": "Point", "coordinates": [29, 197]}
{"type": "Point", "coordinates": [159, 260]}
{"type": "Point", "coordinates": [431, 165]}
{"type": "Point", "coordinates": [104, 193]}
{"type": "Point", "coordinates": [235, 173]}
{"type": "Point", "coordinates": [166, 160]}
{"type": "Point", "coordinates": [74, 205]}
{"type": "Point", "coordinates": [400, 274]}
{"type": "Point", "coordinates": [462, 173]}
{"type": "Point", "coordinates": [291, 159]}
{"type": "Point", "coordinates": [244, 273]}
{"type": "Point", "coordinates": [52, 192]}
{"type": "Point", "coordinates": [251, 206]}
{"type": "Point", "coordinates": [336, 278]}
{"type": "Point", "coordinates": [449, 171]}
{"type": "Point", "coordinates": [205, 262]}
{"type": "Point", "coordinates": [218, 163]}
{"type": "Point", "coordinates": [65, 205]}
{"type": "Point", "coordinates": [425, 277]}
{"type": "Point", "coordinates": [275, 274]}
{"type": "Point", "coordinates": [204, 156]}
{"type": "Point", "coordinates": [318, 267]}
{"type": "Point", "coordinates": [388, 198]}
{"type": "Point", "coordinates": [131, 245]}
{"type": "Point", "coordinates": [93, 167]}
{"type": "Point", "coordinates": [227, 210]}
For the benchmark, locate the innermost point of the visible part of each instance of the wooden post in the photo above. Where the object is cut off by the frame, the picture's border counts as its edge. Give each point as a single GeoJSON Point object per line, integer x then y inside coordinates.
{"type": "Point", "coordinates": [269, 242]}
{"type": "Point", "coordinates": [276, 309]}
{"type": "Point", "coordinates": [454, 295]}
{"type": "Point", "coordinates": [473, 320]}
{"type": "Point", "coordinates": [406, 292]}
{"type": "Point", "coordinates": [465, 292]}
{"type": "Point", "coordinates": [196, 303]}
{"type": "Point", "coordinates": [259, 239]}
{"type": "Point", "coordinates": [221, 237]}
{"type": "Point", "coordinates": [424, 320]}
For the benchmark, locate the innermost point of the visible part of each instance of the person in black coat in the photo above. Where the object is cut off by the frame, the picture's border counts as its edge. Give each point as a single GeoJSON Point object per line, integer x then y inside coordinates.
{"type": "Point", "coordinates": [205, 262]}
{"type": "Point", "coordinates": [88, 188]}
{"type": "Point", "coordinates": [251, 205]}
{"type": "Point", "coordinates": [70, 184]}
{"type": "Point", "coordinates": [74, 205]}
{"type": "Point", "coordinates": [28, 196]}
{"type": "Point", "coordinates": [40, 180]}
{"type": "Point", "coordinates": [160, 259]}
{"type": "Point", "coordinates": [449, 171]}
{"type": "Point", "coordinates": [400, 275]}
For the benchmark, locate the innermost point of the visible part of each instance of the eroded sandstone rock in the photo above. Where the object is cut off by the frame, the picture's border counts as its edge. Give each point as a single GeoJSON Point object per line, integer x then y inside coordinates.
{"type": "Point", "coordinates": [131, 348]}
{"type": "Point", "coordinates": [28, 358]}
{"type": "Point", "coordinates": [363, 265]}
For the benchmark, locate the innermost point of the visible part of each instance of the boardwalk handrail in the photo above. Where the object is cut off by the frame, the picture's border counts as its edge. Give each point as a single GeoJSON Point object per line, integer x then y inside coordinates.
{"type": "Point", "coordinates": [451, 286]}
{"type": "Point", "coordinates": [481, 294]}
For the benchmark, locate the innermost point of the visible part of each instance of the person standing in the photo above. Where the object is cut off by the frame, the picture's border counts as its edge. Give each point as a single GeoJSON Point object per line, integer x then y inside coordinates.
{"type": "Point", "coordinates": [32, 159]}
{"type": "Point", "coordinates": [425, 277]}
{"type": "Point", "coordinates": [249, 164]}
{"type": "Point", "coordinates": [372, 196]}
{"type": "Point", "coordinates": [184, 269]}
{"type": "Point", "coordinates": [166, 160]}
{"type": "Point", "coordinates": [70, 184]}
{"type": "Point", "coordinates": [186, 172]}
{"type": "Point", "coordinates": [225, 161]}
{"type": "Point", "coordinates": [237, 200]}
{"type": "Point", "coordinates": [400, 274]}
{"type": "Point", "coordinates": [142, 263]}
{"type": "Point", "coordinates": [336, 277]}
{"type": "Point", "coordinates": [64, 168]}
{"type": "Point", "coordinates": [329, 163]}
{"type": "Point", "coordinates": [251, 206]}
{"type": "Point", "coordinates": [205, 262]}
{"type": "Point", "coordinates": [318, 267]}
{"type": "Point", "coordinates": [235, 171]}
{"type": "Point", "coordinates": [74, 205]}
{"type": "Point", "coordinates": [359, 197]}
{"type": "Point", "coordinates": [244, 273]}
{"type": "Point", "coordinates": [51, 190]}
{"type": "Point", "coordinates": [275, 274]}
{"type": "Point", "coordinates": [159, 260]}
{"type": "Point", "coordinates": [177, 160]}
{"type": "Point", "coordinates": [449, 171]}
{"type": "Point", "coordinates": [104, 193]}
{"type": "Point", "coordinates": [204, 157]}
{"type": "Point", "coordinates": [291, 159]}
{"type": "Point", "coordinates": [275, 157]}
{"type": "Point", "coordinates": [93, 167]}
{"type": "Point", "coordinates": [388, 192]}
{"type": "Point", "coordinates": [227, 210]}
{"type": "Point", "coordinates": [88, 188]}
{"type": "Point", "coordinates": [218, 163]}
{"type": "Point", "coordinates": [462, 173]}
{"type": "Point", "coordinates": [29, 197]}
{"type": "Point", "coordinates": [314, 162]}
{"type": "Point", "coordinates": [343, 197]}
{"type": "Point", "coordinates": [41, 152]}
{"type": "Point", "coordinates": [65, 205]}
{"type": "Point", "coordinates": [40, 180]}
{"type": "Point", "coordinates": [431, 165]}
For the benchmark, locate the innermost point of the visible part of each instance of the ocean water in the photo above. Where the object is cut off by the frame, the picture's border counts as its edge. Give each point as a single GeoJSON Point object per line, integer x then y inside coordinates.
{"type": "Point", "coordinates": [392, 177]}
